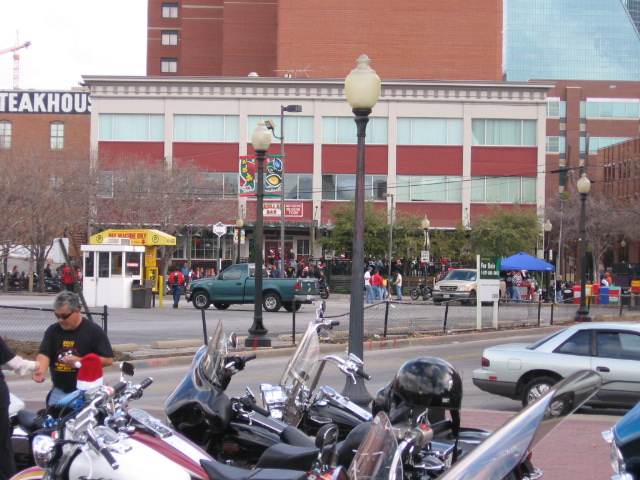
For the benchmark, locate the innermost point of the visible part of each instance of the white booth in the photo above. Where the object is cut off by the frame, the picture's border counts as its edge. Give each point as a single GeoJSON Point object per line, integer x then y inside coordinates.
{"type": "Point", "coordinates": [110, 271]}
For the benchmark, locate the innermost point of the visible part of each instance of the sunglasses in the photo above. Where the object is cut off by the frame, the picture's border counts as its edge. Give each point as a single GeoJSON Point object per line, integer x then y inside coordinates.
{"type": "Point", "coordinates": [63, 316]}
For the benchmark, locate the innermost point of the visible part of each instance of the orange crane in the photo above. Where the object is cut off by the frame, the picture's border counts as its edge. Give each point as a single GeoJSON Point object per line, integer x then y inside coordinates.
{"type": "Point", "coordinates": [16, 61]}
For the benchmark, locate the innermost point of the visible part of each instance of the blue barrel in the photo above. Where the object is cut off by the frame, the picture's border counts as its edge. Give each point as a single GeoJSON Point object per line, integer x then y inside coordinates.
{"type": "Point", "coordinates": [604, 295]}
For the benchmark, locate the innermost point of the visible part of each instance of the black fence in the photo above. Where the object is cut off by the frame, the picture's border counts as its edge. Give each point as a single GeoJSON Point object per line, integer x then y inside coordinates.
{"type": "Point", "coordinates": [29, 323]}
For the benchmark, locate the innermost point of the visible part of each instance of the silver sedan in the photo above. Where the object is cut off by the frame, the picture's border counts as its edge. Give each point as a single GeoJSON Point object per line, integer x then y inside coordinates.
{"type": "Point", "coordinates": [525, 372]}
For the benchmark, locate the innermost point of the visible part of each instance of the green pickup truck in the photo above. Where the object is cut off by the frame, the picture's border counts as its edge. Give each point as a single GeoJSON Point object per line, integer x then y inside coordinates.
{"type": "Point", "coordinates": [236, 285]}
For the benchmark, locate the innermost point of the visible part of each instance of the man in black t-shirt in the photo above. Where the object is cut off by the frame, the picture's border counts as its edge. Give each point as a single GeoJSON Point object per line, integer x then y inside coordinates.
{"type": "Point", "coordinates": [65, 343]}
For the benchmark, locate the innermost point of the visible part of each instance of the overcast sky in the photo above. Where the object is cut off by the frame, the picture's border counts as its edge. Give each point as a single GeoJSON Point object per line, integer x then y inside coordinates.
{"type": "Point", "coordinates": [71, 38]}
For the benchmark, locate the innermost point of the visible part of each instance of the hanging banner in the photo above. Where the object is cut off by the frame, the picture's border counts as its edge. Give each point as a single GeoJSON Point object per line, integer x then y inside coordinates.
{"type": "Point", "coordinates": [272, 176]}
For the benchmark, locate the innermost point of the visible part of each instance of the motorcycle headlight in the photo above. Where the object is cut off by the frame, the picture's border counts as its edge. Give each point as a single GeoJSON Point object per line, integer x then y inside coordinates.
{"type": "Point", "coordinates": [44, 450]}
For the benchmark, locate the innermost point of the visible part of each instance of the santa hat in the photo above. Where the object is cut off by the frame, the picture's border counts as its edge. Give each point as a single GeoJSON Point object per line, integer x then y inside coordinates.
{"type": "Point", "coordinates": [89, 372]}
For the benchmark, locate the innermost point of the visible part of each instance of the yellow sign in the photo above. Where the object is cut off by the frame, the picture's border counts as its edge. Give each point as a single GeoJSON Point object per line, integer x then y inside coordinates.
{"type": "Point", "coordinates": [136, 237]}
{"type": "Point", "coordinates": [150, 254]}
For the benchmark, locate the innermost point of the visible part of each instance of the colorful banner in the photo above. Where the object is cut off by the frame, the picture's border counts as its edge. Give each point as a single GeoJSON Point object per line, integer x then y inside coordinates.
{"type": "Point", "coordinates": [272, 176]}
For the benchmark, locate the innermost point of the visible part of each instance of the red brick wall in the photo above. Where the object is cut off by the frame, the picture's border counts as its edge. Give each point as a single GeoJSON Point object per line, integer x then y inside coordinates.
{"type": "Point", "coordinates": [429, 160]}
{"type": "Point", "coordinates": [32, 131]}
{"type": "Point", "coordinates": [343, 158]}
{"type": "Point", "coordinates": [502, 161]}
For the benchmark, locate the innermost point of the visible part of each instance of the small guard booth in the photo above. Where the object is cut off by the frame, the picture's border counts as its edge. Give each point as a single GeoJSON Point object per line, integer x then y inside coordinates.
{"type": "Point", "coordinates": [118, 261]}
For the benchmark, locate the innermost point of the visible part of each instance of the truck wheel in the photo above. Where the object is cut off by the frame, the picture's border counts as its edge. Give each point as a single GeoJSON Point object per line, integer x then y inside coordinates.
{"type": "Point", "coordinates": [271, 302]}
{"type": "Point", "coordinates": [201, 300]}
{"type": "Point", "coordinates": [221, 306]}
{"type": "Point", "coordinates": [472, 298]}
{"type": "Point", "coordinates": [288, 306]}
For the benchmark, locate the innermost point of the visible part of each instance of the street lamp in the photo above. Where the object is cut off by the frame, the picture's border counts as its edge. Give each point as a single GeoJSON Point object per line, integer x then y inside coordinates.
{"type": "Point", "coordinates": [427, 246]}
{"type": "Point", "coordinates": [584, 185]}
{"type": "Point", "coordinates": [239, 225]}
{"type": "Point", "coordinates": [290, 109]}
{"type": "Point", "coordinates": [260, 139]}
{"type": "Point", "coordinates": [391, 219]}
{"type": "Point", "coordinates": [547, 226]}
{"type": "Point", "coordinates": [362, 88]}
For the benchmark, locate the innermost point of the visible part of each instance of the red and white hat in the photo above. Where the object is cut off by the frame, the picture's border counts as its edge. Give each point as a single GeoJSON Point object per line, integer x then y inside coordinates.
{"type": "Point", "coordinates": [89, 372]}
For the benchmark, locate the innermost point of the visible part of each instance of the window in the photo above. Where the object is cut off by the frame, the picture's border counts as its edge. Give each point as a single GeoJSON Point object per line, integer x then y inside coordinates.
{"type": "Point", "coordinates": [169, 37]}
{"type": "Point", "coordinates": [105, 184]}
{"type": "Point", "coordinates": [134, 127]}
{"type": "Point", "coordinates": [504, 132]}
{"type": "Point", "coordinates": [298, 186]}
{"type": "Point", "coordinates": [206, 128]}
{"type": "Point", "coordinates": [169, 10]}
{"type": "Point", "coordinates": [296, 129]}
{"type": "Point", "coordinates": [217, 185]}
{"type": "Point", "coordinates": [89, 265]}
{"type": "Point", "coordinates": [57, 136]}
{"type": "Point", "coordinates": [555, 144]}
{"type": "Point", "coordinates": [169, 65]}
{"type": "Point", "coordinates": [344, 130]}
{"type": "Point", "coordinates": [610, 108]}
{"type": "Point", "coordinates": [578, 344]}
{"type": "Point", "coordinates": [343, 187]}
{"type": "Point", "coordinates": [556, 108]}
{"type": "Point", "coordinates": [132, 264]}
{"type": "Point", "coordinates": [625, 346]}
{"type": "Point", "coordinates": [5, 134]}
{"type": "Point", "coordinates": [432, 188]}
{"type": "Point", "coordinates": [304, 247]}
{"type": "Point", "coordinates": [503, 189]}
{"type": "Point", "coordinates": [599, 142]}
{"type": "Point", "coordinates": [429, 131]}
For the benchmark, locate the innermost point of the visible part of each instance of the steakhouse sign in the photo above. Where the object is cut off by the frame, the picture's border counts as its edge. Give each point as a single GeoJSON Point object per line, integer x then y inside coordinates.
{"type": "Point", "coordinates": [45, 102]}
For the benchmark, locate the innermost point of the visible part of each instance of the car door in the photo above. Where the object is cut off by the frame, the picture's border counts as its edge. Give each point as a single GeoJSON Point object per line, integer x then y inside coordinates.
{"type": "Point", "coordinates": [228, 286]}
{"type": "Point", "coordinates": [571, 355]}
{"type": "Point", "coordinates": [617, 360]}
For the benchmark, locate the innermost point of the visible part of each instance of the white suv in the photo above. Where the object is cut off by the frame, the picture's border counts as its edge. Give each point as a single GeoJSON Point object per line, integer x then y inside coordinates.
{"type": "Point", "coordinates": [459, 284]}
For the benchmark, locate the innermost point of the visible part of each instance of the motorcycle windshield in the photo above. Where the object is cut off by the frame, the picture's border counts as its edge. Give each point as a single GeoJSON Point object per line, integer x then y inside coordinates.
{"type": "Point", "coordinates": [508, 446]}
{"type": "Point", "coordinates": [377, 457]}
{"type": "Point", "coordinates": [304, 362]}
{"type": "Point", "coordinates": [211, 363]}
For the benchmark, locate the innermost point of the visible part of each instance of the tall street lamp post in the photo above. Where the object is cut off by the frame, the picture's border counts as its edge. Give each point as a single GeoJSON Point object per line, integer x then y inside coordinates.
{"type": "Point", "coordinates": [584, 185]}
{"type": "Point", "coordinates": [391, 219]}
{"type": "Point", "coordinates": [290, 109]}
{"type": "Point", "coordinates": [362, 88]}
{"type": "Point", "coordinates": [547, 226]}
{"type": "Point", "coordinates": [260, 139]}
{"type": "Point", "coordinates": [427, 246]}
{"type": "Point", "coordinates": [239, 225]}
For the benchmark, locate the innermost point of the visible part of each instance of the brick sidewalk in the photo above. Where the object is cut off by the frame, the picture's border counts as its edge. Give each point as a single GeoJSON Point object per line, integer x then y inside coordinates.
{"type": "Point", "coordinates": [575, 449]}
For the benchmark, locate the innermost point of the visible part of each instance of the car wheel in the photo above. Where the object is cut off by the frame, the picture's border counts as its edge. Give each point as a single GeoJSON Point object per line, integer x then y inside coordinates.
{"type": "Point", "coordinates": [535, 389]}
{"type": "Point", "coordinates": [221, 306]}
{"type": "Point", "coordinates": [415, 293]}
{"type": "Point", "coordinates": [472, 298]}
{"type": "Point", "coordinates": [288, 306]}
{"type": "Point", "coordinates": [201, 300]}
{"type": "Point", "coordinates": [271, 302]}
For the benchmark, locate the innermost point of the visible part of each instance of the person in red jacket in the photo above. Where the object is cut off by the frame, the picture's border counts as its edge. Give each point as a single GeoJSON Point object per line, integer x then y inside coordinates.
{"type": "Point", "coordinates": [67, 279]}
{"type": "Point", "coordinates": [176, 280]}
{"type": "Point", "coordinates": [377, 284]}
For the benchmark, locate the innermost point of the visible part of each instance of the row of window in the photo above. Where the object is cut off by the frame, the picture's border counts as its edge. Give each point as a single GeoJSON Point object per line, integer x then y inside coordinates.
{"type": "Point", "coordinates": [299, 129]}
{"type": "Point", "coordinates": [410, 188]}
{"type": "Point", "coordinates": [56, 135]}
{"type": "Point", "coordinates": [597, 108]}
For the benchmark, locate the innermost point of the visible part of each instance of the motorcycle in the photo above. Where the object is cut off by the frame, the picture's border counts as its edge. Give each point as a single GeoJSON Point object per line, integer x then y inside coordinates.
{"type": "Point", "coordinates": [233, 430]}
{"type": "Point", "coordinates": [625, 445]}
{"type": "Point", "coordinates": [323, 288]}
{"type": "Point", "coordinates": [420, 291]}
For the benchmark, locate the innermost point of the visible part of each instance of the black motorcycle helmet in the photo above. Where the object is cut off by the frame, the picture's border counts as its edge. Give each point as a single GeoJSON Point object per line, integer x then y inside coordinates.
{"type": "Point", "coordinates": [423, 383]}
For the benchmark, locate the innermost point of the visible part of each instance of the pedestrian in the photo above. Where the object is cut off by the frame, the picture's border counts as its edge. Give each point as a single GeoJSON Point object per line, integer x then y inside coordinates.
{"type": "Point", "coordinates": [559, 289]}
{"type": "Point", "coordinates": [176, 280]}
{"type": "Point", "coordinates": [608, 278]}
{"type": "Point", "coordinates": [516, 281]}
{"type": "Point", "coordinates": [368, 288]}
{"type": "Point", "coordinates": [385, 287]}
{"type": "Point", "coordinates": [9, 360]}
{"type": "Point", "coordinates": [398, 285]}
{"type": "Point", "coordinates": [64, 343]}
{"type": "Point", "coordinates": [47, 271]}
{"type": "Point", "coordinates": [376, 283]}
{"type": "Point", "coordinates": [67, 279]}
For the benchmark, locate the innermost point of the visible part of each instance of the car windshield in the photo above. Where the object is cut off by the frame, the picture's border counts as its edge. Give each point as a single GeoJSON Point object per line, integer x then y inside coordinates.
{"type": "Point", "coordinates": [461, 275]}
{"type": "Point", "coordinates": [533, 346]}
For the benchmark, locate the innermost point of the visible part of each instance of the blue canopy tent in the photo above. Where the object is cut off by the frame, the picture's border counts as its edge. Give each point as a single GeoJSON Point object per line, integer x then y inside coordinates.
{"type": "Point", "coordinates": [524, 261]}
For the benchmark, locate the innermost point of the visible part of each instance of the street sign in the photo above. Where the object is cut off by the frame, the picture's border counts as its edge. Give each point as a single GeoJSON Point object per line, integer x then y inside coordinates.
{"type": "Point", "coordinates": [219, 229]}
{"type": "Point", "coordinates": [489, 278]}
{"type": "Point", "coordinates": [425, 256]}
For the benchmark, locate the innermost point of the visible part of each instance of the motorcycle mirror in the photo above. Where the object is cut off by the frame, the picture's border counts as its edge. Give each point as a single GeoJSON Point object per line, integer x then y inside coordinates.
{"type": "Point", "coordinates": [233, 340]}
{"type": "Point", "coordinates": [127, 368]}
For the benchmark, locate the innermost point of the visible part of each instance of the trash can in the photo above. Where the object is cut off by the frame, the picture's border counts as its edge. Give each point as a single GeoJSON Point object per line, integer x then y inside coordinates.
{"type": "Point", "coordinates": [604, 295]}
{"type": "Point", "coordinates": [140, 296]}
{"type": "Point", "coordinates": [614, 295]}
{"type": "Point", "coordinates": [577, 292]}
{"type": "Point", "coordinates": [595, 294]}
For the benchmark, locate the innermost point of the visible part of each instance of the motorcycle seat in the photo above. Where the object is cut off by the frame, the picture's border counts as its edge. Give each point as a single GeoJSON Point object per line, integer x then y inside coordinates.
{"type": "Point", "coordinates": [288, 457]}
{"type": "Point", "coordinates": [30, 421]}
{"type": "Point", "coordinates": [292, 436]}
{"type": "Point", "coordinates": [219, 471]}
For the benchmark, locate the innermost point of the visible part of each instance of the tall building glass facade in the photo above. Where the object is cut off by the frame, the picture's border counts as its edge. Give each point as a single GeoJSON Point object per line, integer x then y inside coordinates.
{"type": "Point", "coordinates": [571, 39]}
{"type": "Point", "coordinates": [633, 7]}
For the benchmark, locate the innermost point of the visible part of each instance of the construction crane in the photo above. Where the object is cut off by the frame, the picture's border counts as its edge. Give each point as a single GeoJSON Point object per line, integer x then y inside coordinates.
{"type": "Point", "coordinates": [16, 61]}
